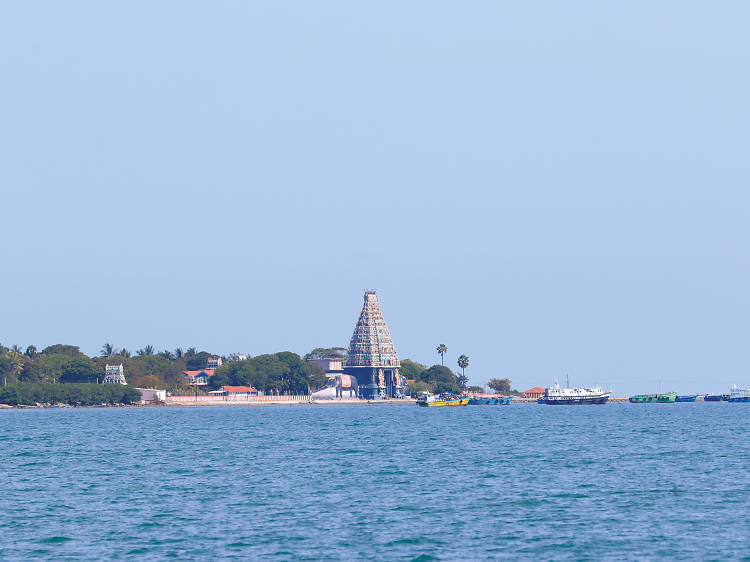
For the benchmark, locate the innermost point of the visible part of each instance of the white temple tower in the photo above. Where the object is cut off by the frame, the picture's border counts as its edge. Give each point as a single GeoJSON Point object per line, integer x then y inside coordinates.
{"type": "Point", "coordinates": [114, 374]}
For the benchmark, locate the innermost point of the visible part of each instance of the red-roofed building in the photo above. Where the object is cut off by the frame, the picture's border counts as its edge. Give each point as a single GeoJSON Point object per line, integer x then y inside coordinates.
{"type": "Point", "coordinates": [236, 391]}
{"type": "Point", "coordinates": [198, 378]}
{"type": "Point", "coordinates": [536, 392]}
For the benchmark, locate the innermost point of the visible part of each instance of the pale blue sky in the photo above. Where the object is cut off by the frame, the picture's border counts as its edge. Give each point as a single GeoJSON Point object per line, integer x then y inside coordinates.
{"type": "Point", "coordinates": [547, 187]}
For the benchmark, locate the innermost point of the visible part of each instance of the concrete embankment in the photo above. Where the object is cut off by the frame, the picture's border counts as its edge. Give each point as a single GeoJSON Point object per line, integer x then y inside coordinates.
{"type": "Point", "coordinates": [275, 401]}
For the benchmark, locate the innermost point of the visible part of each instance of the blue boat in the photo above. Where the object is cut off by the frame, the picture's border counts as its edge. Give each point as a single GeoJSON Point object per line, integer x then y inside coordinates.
{"type": "Point", "coordinates": [483, 401]}
{"type": "Point", "coordinates": [686, 398]}
{"type": "Point", "coordinates": [716, 397]}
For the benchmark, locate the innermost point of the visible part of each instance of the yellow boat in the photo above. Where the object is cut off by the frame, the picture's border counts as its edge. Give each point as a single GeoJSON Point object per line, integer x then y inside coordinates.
{"type": "Point", "coordinates": [430, 400]}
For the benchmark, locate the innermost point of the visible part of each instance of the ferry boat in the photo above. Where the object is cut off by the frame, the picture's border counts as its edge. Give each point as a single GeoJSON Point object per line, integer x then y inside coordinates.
{"type": "Point", "coordinates": [686, 398]}
{"type": "Point", "coordinates": [429, 399]}
{"type": "Point", "coordinates": [491, 400]}
{"type": "Point", "coordinates": [739, 394]}
{"type": "Point", "coordinates": [653, 398]}
{"type": "Point", "coordinates": [716, 397]}
{"type": "Point", "coordinates": [555, 395]}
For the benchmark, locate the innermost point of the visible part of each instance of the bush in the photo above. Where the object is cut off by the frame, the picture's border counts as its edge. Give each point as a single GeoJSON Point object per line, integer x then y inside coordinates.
{"type": "Point", "coordinates": [76, 394]}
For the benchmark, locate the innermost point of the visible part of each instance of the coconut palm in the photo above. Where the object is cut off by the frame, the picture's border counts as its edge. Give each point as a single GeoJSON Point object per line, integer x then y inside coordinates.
{"type": "Point", "coordinates": [124, 353]}
{"type": "Point", "coordinates": [31, 352]}
{"type": "Point", "coordinates": [178, 353]}
{"type": "Point", "coordinates": [147, 350]}
{"type": "Point", "coordinates": [442, 349]}
{"type": "Point", "coordinates": [108, 350]}
{"type": "Point", "coordinates": [463, 362]}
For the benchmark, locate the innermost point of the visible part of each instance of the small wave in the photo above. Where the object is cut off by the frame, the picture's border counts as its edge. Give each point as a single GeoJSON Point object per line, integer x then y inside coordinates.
{"type": "Point", "coordinates": [55, 540]}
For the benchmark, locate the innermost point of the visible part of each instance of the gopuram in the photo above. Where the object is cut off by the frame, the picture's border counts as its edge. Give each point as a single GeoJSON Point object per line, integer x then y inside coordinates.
{"type": "Point", "coordinates": [372, 358]}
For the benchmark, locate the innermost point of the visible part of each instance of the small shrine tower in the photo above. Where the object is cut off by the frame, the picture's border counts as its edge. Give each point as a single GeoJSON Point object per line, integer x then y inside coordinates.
{"type": "Point", "coordinates": [372, 357]}
{"type": "Point", "coordinates": [114, 374]}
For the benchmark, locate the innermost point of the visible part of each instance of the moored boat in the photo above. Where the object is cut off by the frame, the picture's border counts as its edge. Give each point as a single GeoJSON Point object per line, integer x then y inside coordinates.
{"type": "Point", "coordinates": [686, 398]}
{"type": "Point", "coordinates": [653, 398]}
{"type": "Point", "coordinates": [555, 395]}
{"type": "Point", "coordinates": [716, 397]}
{"type": "Point", "coordinates": [429, 399]}
{"type": "Point", "coordinates": [490, 400]}
{"type": "Point", "coordinates": [739, 394]}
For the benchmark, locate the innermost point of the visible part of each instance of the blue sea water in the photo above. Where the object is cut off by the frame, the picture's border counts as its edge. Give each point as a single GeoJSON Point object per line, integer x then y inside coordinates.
{"type": "Point", "coordinates": [620, 481]}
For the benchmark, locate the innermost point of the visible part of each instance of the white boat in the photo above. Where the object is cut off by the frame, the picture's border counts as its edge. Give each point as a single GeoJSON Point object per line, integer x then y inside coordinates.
{"type": "Point", "coordinates": [555, 395]}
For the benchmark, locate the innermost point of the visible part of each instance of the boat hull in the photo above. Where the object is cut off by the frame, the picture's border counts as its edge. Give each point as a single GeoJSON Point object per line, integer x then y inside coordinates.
{"type": "Point", "coordinates": [715, 398]}
{"type": "Point", "coordinates": [690, 398]}
{"type": "Point", "coordinates": [574, 401]}
{"type": "Point", "coordinates": [738, 399]}
{"type": "Point", "coordinates": [653, 399]}
{"type": "Point", "coordinates": [443, 403]}
{"type": "Point", "coordinates": [500, 401]}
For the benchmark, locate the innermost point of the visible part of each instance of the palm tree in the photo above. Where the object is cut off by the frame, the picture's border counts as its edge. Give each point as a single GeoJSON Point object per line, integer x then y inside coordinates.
{"type": "Point", "coordinates": [147, 350]}
{"type": "Point", "coordinates": [178, 353]}
{"type": "Point", "coordinates": [108, 350]}
{"type": "Point", "coordinates": [167, 354]}
{"type": "Point", "coordinates": [16, 349]}
{"type": "Point", "coordinates": [124, 353]}
{"type": "Point", "coordinates": [442, 349]}
{"type": "Point", "coordinates": [463, 362]}
{"type": "Point", "coordinates": [31, 352]}
{"type": "Point", "coordinates": [190, 352]}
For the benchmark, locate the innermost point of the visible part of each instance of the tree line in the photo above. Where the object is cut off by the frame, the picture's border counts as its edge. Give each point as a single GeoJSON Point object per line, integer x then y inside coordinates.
{"type": "Point", "coordinates": [283, 372]}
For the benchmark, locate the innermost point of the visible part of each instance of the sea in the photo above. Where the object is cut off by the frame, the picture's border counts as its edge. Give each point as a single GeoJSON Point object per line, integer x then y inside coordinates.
{"type": "Point", "coordinates": [379, 482]}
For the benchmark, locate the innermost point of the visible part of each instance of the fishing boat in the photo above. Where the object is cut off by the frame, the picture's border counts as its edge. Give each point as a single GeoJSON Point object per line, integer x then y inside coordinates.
{"type": "Point", "coordinates": [716, 397]}
{"type": "Point", "coordinates": [429, 399]}
{"type": "Point", "coordinates": [490, 400]}
{"type": "Point", "coordinates": [686, 398]}
{"type": "Point", "coordinates": [654, 398]}
{"type": "Point", "coordinates": [739, 394]}
{"type": "Point", "coordinates": [555, 395]}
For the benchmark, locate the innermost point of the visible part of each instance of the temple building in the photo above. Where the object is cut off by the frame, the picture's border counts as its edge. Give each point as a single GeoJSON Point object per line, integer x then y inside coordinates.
{"type": "Point", "coordinates": [114, 374]}
{"type": "Point", "coordinates": [372, 358]}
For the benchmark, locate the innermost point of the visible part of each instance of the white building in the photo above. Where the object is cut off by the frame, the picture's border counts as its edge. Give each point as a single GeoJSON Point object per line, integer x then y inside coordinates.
{"type": "Point", "coordinates": [213, 363]}
{"type": "Point", "coordinates": [114, 374]}
{"type": "Point", "coordinates": [152, 395]}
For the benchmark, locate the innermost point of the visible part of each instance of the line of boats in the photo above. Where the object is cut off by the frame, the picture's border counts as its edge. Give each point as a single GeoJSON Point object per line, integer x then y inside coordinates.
{"type": "Point", "coordinates": [427, 399]}
{"type": "Point", "coordinates": [555, 395]}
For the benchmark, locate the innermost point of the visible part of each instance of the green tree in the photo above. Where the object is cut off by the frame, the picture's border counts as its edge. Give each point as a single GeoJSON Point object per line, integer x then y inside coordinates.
{"type": "Point", "coordinates": [499, 385]}
{"type": "Point", "coordinates": [196, 361]}
{"type": "Point", "coordinates": [108, 350]}
{"type": "Point", "coordinates": [476, 389]}
{"type": "Point", "coordinates": [30, 352]}
{"type": "Point", "coordinates": [78, 369]}
{"type": "Point", "coordinates": [412, 370]}
{"type": "Point", "coordinates": [178, 353]}
{"type": "Point", "coordinates": [326, 353]}
{"type": "Point", "coordinates": [442, 349]}
{"type": "Point", "coordinates": [61, 349]}
{"type": "Point", "coordinates": [441, 378]}
{"type": "Point", "coordinates": [31, 372]}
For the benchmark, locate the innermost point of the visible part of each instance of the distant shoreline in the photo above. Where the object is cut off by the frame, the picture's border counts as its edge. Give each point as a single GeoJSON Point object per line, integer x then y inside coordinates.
{"type": "Point", "coordinates": [250, 403]}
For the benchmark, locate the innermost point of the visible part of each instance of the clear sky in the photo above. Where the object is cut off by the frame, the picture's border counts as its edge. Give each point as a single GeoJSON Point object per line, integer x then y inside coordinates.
{"type": "Point", "coordinates": [546, 187]}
